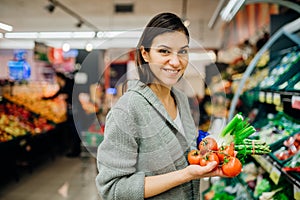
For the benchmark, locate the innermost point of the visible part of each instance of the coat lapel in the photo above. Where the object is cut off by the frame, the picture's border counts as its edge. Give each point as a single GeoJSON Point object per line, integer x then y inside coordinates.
{"type": "Point", "coordinates": [148, 94]}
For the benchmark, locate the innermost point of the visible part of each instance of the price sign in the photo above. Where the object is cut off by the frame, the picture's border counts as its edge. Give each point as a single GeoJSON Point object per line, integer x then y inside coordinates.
{"type": "Point", "coordinates": [276, 99]}
{"type": "Point", "coordinates": [275, 175]}
{"type": "Point", "coordinates": [296, 192]}
{"type": "Point", "coordinates": [261, 96]}
{"type": "Point", "coordinates": [263, 162]}
{"type": "Point", "coordinates": [269, 98]}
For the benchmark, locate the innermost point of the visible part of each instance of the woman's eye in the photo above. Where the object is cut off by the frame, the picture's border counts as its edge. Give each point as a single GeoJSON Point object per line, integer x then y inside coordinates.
{"type": "Point", "coordinates": [164, 51]}
{"type": "Point", "coordinates": [183, 52]}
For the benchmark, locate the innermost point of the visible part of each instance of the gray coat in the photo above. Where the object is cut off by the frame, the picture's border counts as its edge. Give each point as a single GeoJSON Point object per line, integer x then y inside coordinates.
{"type": "Point", "coordinates": [141, 139]}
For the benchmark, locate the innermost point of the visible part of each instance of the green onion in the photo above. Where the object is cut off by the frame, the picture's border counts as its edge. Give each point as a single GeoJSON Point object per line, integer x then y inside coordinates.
{"type": "Point", "coordinates": [238, 130]}
{"type": "Point", "coordinates": [229, 128]}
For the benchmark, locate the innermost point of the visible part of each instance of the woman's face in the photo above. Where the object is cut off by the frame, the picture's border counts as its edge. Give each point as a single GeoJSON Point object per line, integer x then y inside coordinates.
{"type": "Point", "coordinates": [168, 57]}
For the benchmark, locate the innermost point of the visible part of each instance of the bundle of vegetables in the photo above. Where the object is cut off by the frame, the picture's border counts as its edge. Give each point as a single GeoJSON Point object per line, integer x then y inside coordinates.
{"type": "Point", "coordinates": [237, 131]}
{"type": "Point", "coordinates": [230, 155]}
{"type": "Point", "coordinates": [208, 151]}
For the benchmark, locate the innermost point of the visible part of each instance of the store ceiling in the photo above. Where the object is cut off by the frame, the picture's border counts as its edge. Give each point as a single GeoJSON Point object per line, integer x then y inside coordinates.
{"type": "Point", "coordinates": [32, 15]}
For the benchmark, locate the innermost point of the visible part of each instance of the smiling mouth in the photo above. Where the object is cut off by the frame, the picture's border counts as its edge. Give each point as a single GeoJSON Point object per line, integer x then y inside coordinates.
{"type": "Point", "coordinates": [172, 71]}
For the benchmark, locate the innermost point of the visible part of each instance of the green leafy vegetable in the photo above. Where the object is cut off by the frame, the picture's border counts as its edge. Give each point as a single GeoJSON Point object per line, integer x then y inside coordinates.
{"type": "Point", "coordinates": [238, 131]}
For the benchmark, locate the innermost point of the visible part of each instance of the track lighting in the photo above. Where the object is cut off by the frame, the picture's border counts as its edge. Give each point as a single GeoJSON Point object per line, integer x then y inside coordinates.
{"type": "Point", "coordinates": [50, 7]}
{"type": "Point", "coordinates": [56, 3]}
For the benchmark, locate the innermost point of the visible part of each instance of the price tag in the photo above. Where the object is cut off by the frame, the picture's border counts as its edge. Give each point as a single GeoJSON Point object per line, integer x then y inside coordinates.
{"type": "Point", "coordinates": [261, 96]}
{"type": "Point", "coordinates": [264, 163]}
{"type": "Point", "coordinates": [269, 98]}
{"type": "Point", "coordinates": [275, 175]}
{"type": "Point", "coordinates": [276, 99]}
{"type": "Point", "coordinates": [296, 102]}
{"type": "Point", "coordinates": [296, 192]}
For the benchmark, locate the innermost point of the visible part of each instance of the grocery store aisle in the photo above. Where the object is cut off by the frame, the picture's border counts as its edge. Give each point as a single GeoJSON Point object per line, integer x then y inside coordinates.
{"type": "Point", "coordinates": [58, 179]}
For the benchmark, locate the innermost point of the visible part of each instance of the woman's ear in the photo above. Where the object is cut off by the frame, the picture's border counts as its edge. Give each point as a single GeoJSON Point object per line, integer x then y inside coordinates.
{"type": "Point", "coordinates": [144, 53]}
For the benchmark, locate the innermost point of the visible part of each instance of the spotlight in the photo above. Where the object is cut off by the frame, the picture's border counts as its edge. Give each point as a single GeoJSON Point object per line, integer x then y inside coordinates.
{"type": "Point", "coordinates": [50, 7]}
{"type": "Point", "coordinates": [66, 47]}
{"type": "Point", "coordinates": [79, 24]}
{"type": "Point", "coordinates": [88, 47]}
{"type": "Point", "coordinates": [186, 22]}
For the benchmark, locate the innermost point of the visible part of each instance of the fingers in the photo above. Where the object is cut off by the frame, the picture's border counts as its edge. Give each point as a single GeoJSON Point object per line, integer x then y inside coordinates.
{"type": "Point", "coordinates": [210, 166]}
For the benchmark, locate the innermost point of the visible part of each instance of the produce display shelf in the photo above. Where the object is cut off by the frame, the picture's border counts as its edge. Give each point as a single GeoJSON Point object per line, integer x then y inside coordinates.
{"type": "Point", "coordinates": [275, 170]}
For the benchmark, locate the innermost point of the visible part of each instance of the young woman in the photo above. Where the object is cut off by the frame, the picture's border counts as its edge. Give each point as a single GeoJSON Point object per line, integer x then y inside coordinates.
{"type": "Point", "coordinates": [150, 130]}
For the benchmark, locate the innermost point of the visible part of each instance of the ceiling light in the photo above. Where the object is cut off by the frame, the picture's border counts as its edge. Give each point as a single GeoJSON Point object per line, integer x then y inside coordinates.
{"type": "Point", "coordinates": [83, 34]}
{"type": "Point", "coordinates": [89, 47]}
{"type": "Point", "coordinates": [232, 7]}
{"type": "Point", "coordinates": [120, 34]}
{"type": "Point", "coordinates": [6, 27]}
{"type": "Point", "coordinates": [186, 23]}
{"type": "Point", "coordinates": [55, 35]}
{"type": "Point", "coordinates": [21, 35]}
{"type": "Point", "coordinates": [110, 34]}
{"type": "Point", "coordinates": [66, 47]}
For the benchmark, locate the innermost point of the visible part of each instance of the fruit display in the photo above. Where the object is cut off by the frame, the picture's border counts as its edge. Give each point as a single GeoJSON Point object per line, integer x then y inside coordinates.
{"type": "Point", "coordinates": [284, 70]}
{"type": "Point", "coordinates": [293, 165]}
{"type": "Point", "coordinates": [30, 97]}
{"type": "Point", "coordinates": [16, 121]}
{"type": "Point", "coordinates": [4, 136]}
{"type": "Point", "coordinates": [290, 147]}
{"type": "Point", "coordinates": [275, 128]}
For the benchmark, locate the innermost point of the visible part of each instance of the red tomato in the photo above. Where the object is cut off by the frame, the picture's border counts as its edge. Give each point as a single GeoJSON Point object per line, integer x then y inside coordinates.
{"type": "Point", "coordinates": [209, 157]}
{"type": "Point", "coordinates": [225, 151]}
{"type": "Point", "coordinates": [194, 157]}
{"type": "Point", "coordinates": [231, 166]}
{"type": "Point", "coordinates": [207, 144]}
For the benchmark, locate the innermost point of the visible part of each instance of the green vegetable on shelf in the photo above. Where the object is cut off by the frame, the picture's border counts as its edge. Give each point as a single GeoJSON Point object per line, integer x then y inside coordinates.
{"type": "Point", "coordinates": [262, 186]}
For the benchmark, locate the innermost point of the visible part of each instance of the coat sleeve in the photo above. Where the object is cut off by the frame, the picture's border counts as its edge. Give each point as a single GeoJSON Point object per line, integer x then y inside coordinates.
{"type": "Point", "coordinates": [116, 160]}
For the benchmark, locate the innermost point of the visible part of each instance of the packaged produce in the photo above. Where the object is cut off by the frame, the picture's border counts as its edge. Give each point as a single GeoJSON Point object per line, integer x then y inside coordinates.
{"type": "Point", "coordinates": [294, 164]}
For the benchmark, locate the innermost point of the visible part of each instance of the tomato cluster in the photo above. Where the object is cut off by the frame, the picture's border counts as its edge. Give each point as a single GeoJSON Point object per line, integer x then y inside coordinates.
{"type": "Point", "coordinates": [208, 151]}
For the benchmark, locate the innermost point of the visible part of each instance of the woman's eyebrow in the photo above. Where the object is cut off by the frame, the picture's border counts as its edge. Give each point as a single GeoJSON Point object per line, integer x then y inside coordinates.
{"type": "Point", "coordinates": [165, 46]}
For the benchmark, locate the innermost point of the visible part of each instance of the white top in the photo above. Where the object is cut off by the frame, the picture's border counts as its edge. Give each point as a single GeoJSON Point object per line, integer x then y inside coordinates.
{"type": "Point", "coordinates": [178, 122]}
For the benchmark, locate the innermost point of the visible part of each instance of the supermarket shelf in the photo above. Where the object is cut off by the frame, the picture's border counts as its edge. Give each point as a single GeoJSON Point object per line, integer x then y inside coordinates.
{"type": "Point", "coordinates": [287, 31]}
{"type": "Point", "coordinates": [275, 169]}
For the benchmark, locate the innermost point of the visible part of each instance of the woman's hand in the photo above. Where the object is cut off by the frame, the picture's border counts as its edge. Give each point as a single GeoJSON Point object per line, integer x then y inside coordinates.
{"type": "Point", "coordinates": [197, 171]}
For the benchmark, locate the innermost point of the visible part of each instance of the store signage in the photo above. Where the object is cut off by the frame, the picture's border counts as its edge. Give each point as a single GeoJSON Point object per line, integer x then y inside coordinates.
{"type": "Point", "coordinates": [19, 68]}
{"type": "Point", "coordinates": [40, 51]}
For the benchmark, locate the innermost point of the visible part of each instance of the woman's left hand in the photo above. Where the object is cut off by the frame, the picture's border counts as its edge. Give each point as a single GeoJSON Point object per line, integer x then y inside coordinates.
{"type": "Point", "coordinates": [197, 171]}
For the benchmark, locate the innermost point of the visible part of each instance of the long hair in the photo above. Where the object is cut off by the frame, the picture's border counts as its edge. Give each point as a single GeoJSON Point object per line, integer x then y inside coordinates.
{"type": "Point", "coordinates": [161, 23]}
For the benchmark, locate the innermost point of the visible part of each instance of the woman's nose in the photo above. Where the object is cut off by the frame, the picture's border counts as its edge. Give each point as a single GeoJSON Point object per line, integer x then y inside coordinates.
{"type": "Point", "coordinates": [174, 60]}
